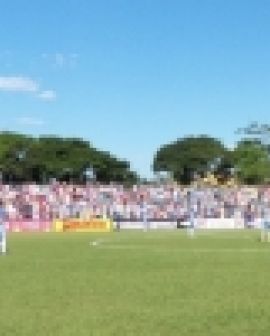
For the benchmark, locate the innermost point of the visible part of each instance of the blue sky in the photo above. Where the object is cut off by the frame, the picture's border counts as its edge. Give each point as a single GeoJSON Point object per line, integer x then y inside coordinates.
{"type": "Point", "coordinates": [129, 75]}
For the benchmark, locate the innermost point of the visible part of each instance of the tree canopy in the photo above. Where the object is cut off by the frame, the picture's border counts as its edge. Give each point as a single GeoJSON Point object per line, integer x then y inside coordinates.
{"type": "Point", "coordinates": [190, 155]}
{"type": "Point", "coordinates": [24, 158]}
{"type": "Point", "coordinates": [252, 154]}
{"type": "Point", "coordinates": [252, 162]}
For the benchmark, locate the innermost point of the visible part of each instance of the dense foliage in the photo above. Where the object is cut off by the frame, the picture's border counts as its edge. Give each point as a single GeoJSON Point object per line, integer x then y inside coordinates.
{"type": "Point", "coordinates": [252, 154]}
{"type": "Point", "coordinates": [24, 158]}
{"type": "Point", "coordinates": [249, 161]}
{"type": "Point", "coordinates": [252, 162]}
{"type": "Point", "coordinates": [191, 155]}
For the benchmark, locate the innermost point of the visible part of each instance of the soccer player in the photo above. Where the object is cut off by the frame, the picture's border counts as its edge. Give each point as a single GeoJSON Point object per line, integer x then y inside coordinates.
{"type": "Point", "coordinates": [265, 232]}
{"type": "Point", "coordinates": [192, 211]}
{"type": "Point", "coordinates": [249, 215]}
{"type": "Point", "coordinates": [143, 212]}
{"type": "Point", "coordinates": [3, 237]}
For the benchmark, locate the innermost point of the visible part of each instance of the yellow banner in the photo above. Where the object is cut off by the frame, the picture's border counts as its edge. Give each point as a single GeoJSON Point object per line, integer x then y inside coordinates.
{"type": "Point", "coordinates": [82, 225]}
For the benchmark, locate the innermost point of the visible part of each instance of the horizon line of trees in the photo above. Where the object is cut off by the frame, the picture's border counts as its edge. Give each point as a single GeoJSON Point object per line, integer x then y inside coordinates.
{"type": "Point", "coordinates": [39, 159]}
{"type": "Point", "coordinates": [28, 159]}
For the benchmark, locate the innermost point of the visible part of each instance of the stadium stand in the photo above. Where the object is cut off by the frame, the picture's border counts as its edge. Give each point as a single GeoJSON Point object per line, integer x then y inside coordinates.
{"type": "Point", "coordinates": [44, 203]}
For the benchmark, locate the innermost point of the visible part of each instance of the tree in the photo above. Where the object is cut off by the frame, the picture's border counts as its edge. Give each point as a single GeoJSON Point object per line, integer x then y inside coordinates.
{"type": "Point", "coordinates": [189, 155]}
{"type": "Point", "coordinates": [28, 159]}
{"type": "Point", "coordinates": [252, 154]}
{"type": "Point", "coordinates": [13, 152]}
{"type": "Point", "coordinates": [252, 162]}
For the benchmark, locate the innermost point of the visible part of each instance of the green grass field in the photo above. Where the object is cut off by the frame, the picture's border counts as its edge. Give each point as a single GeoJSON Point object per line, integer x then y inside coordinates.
{"type": "Point", "coordinates": [135, 283]}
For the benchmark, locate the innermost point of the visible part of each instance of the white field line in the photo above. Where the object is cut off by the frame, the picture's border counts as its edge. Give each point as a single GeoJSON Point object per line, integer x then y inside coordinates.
{"type": "Point", "coordinates": [189, 250]}
{"type": "Point", "coordinates": [223, 235]}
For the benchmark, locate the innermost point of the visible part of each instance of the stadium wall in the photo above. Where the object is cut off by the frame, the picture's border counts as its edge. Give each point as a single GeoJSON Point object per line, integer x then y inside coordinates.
{"type": "Point", "coordinates": [28, 226]}
{"type": "Point", "coordinates": [202, 223]}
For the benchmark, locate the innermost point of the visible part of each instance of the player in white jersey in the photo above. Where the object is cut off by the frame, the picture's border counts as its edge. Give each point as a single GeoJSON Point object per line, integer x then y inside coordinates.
{"type": "Point", "coordinates": [143, 212]}
{"type": "Point", "coordinates": [192, 212]}
{"type": "Point", "coordinates": [265, 225]}
{"type": "Point", "coordinates": [3, 236]}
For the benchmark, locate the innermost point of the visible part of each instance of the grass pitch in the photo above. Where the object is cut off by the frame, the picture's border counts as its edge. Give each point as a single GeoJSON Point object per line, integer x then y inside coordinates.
{"type": "Point", "coordinates": [135, 283]}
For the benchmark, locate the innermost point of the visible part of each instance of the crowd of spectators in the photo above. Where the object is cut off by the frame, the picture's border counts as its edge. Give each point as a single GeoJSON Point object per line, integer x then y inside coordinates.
{"type": "Point", "coordinates": [157, 202]}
